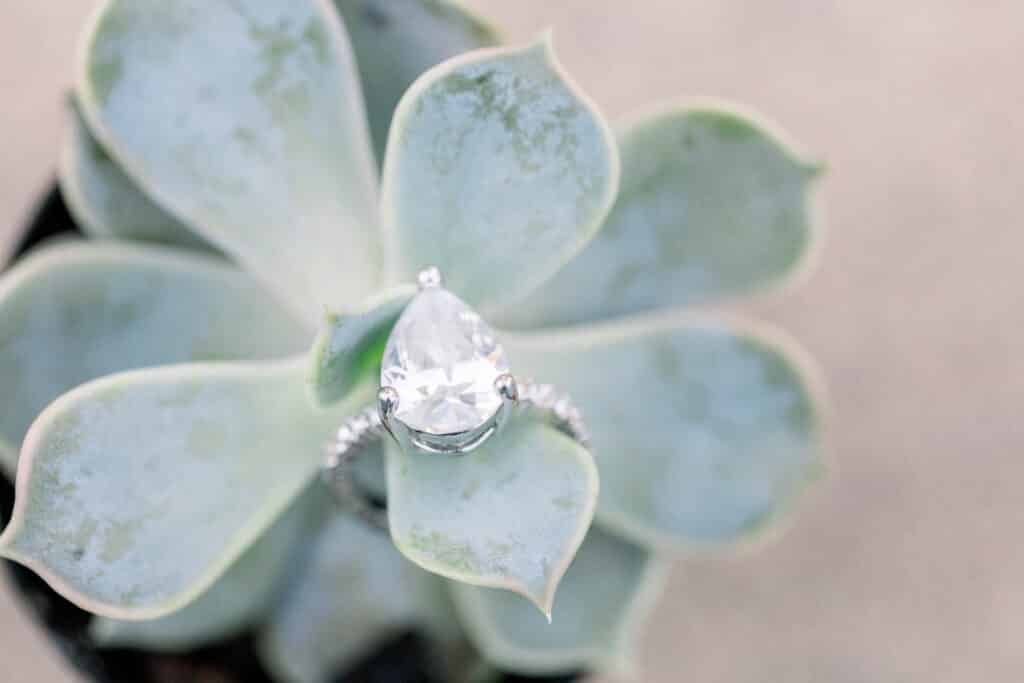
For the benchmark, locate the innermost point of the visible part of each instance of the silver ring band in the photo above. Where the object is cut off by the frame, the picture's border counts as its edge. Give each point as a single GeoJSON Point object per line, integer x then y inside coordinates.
{"type": "Point", "coordinates": [363, 429]}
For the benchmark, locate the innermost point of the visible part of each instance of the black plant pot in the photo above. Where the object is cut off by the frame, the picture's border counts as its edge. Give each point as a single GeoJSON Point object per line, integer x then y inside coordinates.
{"type": "Point", "coordinates": [402, 660]}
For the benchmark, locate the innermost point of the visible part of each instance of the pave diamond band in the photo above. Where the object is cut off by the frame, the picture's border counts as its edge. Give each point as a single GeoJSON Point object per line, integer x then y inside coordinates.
{"type": "Point", "coordinates": [445, 387]}
{"type": "Point", "coordinates": [355, 435]}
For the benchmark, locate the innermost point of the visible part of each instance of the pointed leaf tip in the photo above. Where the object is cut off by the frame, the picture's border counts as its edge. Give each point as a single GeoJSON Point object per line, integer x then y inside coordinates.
{"type": "Point", "coordinates": [497, 163]}
{"type": "Point", "coordinates": [509, 515]}
{"type": "Point", "coordinates": [729, 438]}
{"type": "Point", "coordinates": [106, 468]}
{"type": "Point", "coordinates": [714, 203]}
{"type": "Point", "coordinates": [604, 598]}
{"type": "Point", "coordinates": [272, 86]}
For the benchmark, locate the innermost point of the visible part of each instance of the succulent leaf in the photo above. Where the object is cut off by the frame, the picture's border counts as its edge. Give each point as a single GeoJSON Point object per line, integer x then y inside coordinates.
{"type": "Point", "coordinates": [105, 202]}
{"type": "Point", "coordinates": [397, 40]}
{"type": "Point", "coordinates": [704, 431]}
{"type": "Point", "coordinates": [138, 490]}
{"type": "Point", "coordinates": [236, 601]}
{"type": "Point", "coordinates": [351, 590]}
{"type": "Point", "coordinates": [246, 120]}
{"type": "Point", "coordinates": [349, 347]}
{"type": "Point", "coordinates": [713, 203]}
{"type": "Point", "coordinates": [498, 170]}
{"type": "Point", "coordinates": [608, 590]}
{"type": "Point", "coordinates": [510, 514]}
{"type": "Point", "coordinates": [77, 311]}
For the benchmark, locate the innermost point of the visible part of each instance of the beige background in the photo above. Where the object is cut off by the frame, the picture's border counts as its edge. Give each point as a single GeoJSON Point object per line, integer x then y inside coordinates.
{"type": "Point", "coordinates": [909, 565]}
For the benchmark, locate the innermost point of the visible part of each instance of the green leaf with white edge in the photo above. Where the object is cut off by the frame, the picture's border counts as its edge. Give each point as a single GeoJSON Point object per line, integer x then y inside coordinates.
{"type": "Point", "coordinates": [705, 430]}
{"type": "Point", "coordinates": [350, 591]}
{"type": "Point", "coordinates": [713, 203]}
{"type": "Point", "coordinates": [604, 598]}
{"type": "Point", "coordinates": [105, 202]}
{"type": "Point", "coordinates": [498, 171]}
{"type": "Point", "coordinates": [236, 601]}
{"type": "Point", "coordinates": [349, 347]}
{"type": "Point", "coordinates": [77, 311]}
{"type": "Point", "coordinates": [395, 41]}
{"type": "Point", "coordinates": [246, 120]}
{"type": "Point", "coordinates": [510, 514]}
{"type": "Point", "coordinates": [187, 465]}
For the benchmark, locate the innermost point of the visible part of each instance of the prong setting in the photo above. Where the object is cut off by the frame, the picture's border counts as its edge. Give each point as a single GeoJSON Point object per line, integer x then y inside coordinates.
{"type": "Point", "coordinates": [508, 389]}
{"type": "Point", "coordinates": [387, 403]}
{"type": "Point", "coordinates": [429, 277]}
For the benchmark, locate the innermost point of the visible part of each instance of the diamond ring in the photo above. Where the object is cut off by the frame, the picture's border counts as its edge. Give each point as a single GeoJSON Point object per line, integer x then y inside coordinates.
{"type": "Point", "coordinates": [445, 389]}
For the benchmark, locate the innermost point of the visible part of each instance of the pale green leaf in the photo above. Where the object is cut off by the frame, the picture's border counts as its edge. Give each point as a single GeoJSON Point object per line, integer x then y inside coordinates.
{"type": "Point", "coordinates": [704, 430]}
{"type": "Point", "coordinates": [105, 202]}
{"type": "Point", "coordinates": [78, 311]}
{"type": "Point", "coordinates": [246, 120]}
{"type": "Point", "coordinates": [713, 203]}
{"type": "Point", "coordinates": [498, 170]}
{"type": "Point", "coordinates": [350, 591]}
{"type": "Point", "coordinates": [138, 490]}
{"type": "Point", "coordinates": [603, 599]}
{"type": "Point", "coordinates": [236, 601]}
{"type": "Point", "coordinates": [397, 40]}
{"type": "Point", "coordinates": [349, 347]}
{"type": "Point", "coordinates": [510, 514]}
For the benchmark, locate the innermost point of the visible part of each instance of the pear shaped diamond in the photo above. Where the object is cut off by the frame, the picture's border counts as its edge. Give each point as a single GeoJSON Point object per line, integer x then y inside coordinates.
{"type": "Point", "coordinates": [443, 359]}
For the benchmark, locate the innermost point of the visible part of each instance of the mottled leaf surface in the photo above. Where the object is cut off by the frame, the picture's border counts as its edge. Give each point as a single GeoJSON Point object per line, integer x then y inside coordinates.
{"type": "Point", "coordinates": [246, 119]}
{"type": "Point", "coordinates": [349, 347]}
{"type": "Point", "coordinates": [510, 514]}
{"type": "Point", "coordinates": [704, 431]}
{"type": "Point", "coordinates": [105, 202]}
{"type": "Point", "coordinates": [350, 591]}
{"type": "Point", "coordinates": [236, 601]}
{"type": "Point", "coordinates": [395, 41]}
{"type": "Point", "coordinates": [608, 590]}
{"type": "Point", "coordinates": [78, 311]}
{"type": "Point", "coordinates": [713, 203]}
{"type": "Point", "coordinates": [498, 170]}
{"type": "Point", "coordinates": [138, 490]}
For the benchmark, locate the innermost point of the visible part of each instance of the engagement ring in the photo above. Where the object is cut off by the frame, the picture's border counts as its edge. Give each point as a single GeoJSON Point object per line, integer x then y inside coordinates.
{"type": "Point", "coordinates": [445, 388]}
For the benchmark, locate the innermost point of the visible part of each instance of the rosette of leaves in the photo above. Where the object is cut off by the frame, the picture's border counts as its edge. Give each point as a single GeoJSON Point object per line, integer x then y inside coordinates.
{"type": "Point", "coordinates": [166, 416]}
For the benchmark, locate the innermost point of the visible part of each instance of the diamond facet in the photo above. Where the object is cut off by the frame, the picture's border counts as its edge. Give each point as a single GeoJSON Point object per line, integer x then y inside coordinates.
{"type": "Point", "coordinates": [443, 359]}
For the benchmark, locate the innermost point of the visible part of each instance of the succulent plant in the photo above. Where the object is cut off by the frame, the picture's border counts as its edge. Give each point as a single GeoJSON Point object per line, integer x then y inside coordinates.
{"type": "Point", "coordinates": [168, 411]}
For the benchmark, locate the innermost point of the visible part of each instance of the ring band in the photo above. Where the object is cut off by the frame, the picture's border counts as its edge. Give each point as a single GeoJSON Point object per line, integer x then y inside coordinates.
{"type": "Point", "coordinates": [367, 427]}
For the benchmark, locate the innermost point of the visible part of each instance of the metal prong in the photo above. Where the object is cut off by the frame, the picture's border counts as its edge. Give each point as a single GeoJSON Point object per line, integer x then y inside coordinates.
{"type": "Point", "coordinates": [387, 404]}
{"type": "Point", "coordinates": [508, 389]}
{"type": "Point", "coordinates": [506, 386]}
{"type": "Point", "coordinates": [429, 277]}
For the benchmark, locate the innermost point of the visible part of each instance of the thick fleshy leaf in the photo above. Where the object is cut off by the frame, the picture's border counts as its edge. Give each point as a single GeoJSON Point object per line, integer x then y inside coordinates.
{"type": "Point", "coordinates": [604, 597]}
{"type": "Point", "coordinates": [704, 431]}
{"type": "Point", "coordinates": [713, 203]}
{"type": "Point", "coordinates": [105, 202]}
{"type": "Point", "coordinates": [349, 347]}
{"type": "Point", "coordinates": [397, 40]}
{"type": "Point", "coordinates": [246, 120]}
{"type": "Point", "coordinates": [350, 591]}
{"type": "Point", "coordinates": [77, 311]}
{"type": "Point", "coordinates": [236, 601]}
{"type": "Point", "coordinates": [138, 490]}
{"type": "Point", "coordinates": [498, 170]}
{"type": "Point", "coordinates": [510, 514]}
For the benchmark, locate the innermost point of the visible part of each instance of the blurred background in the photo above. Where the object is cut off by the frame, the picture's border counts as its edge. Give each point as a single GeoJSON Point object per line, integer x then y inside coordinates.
{"type": "Point", "coordinates": [909, 564]}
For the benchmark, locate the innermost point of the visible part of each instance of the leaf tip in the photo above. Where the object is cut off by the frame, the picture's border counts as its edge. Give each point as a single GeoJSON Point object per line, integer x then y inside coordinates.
{"type": "Point", "coordinates": [815, 168]}
{"type": "Point", "coordinates": [544, 43]}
